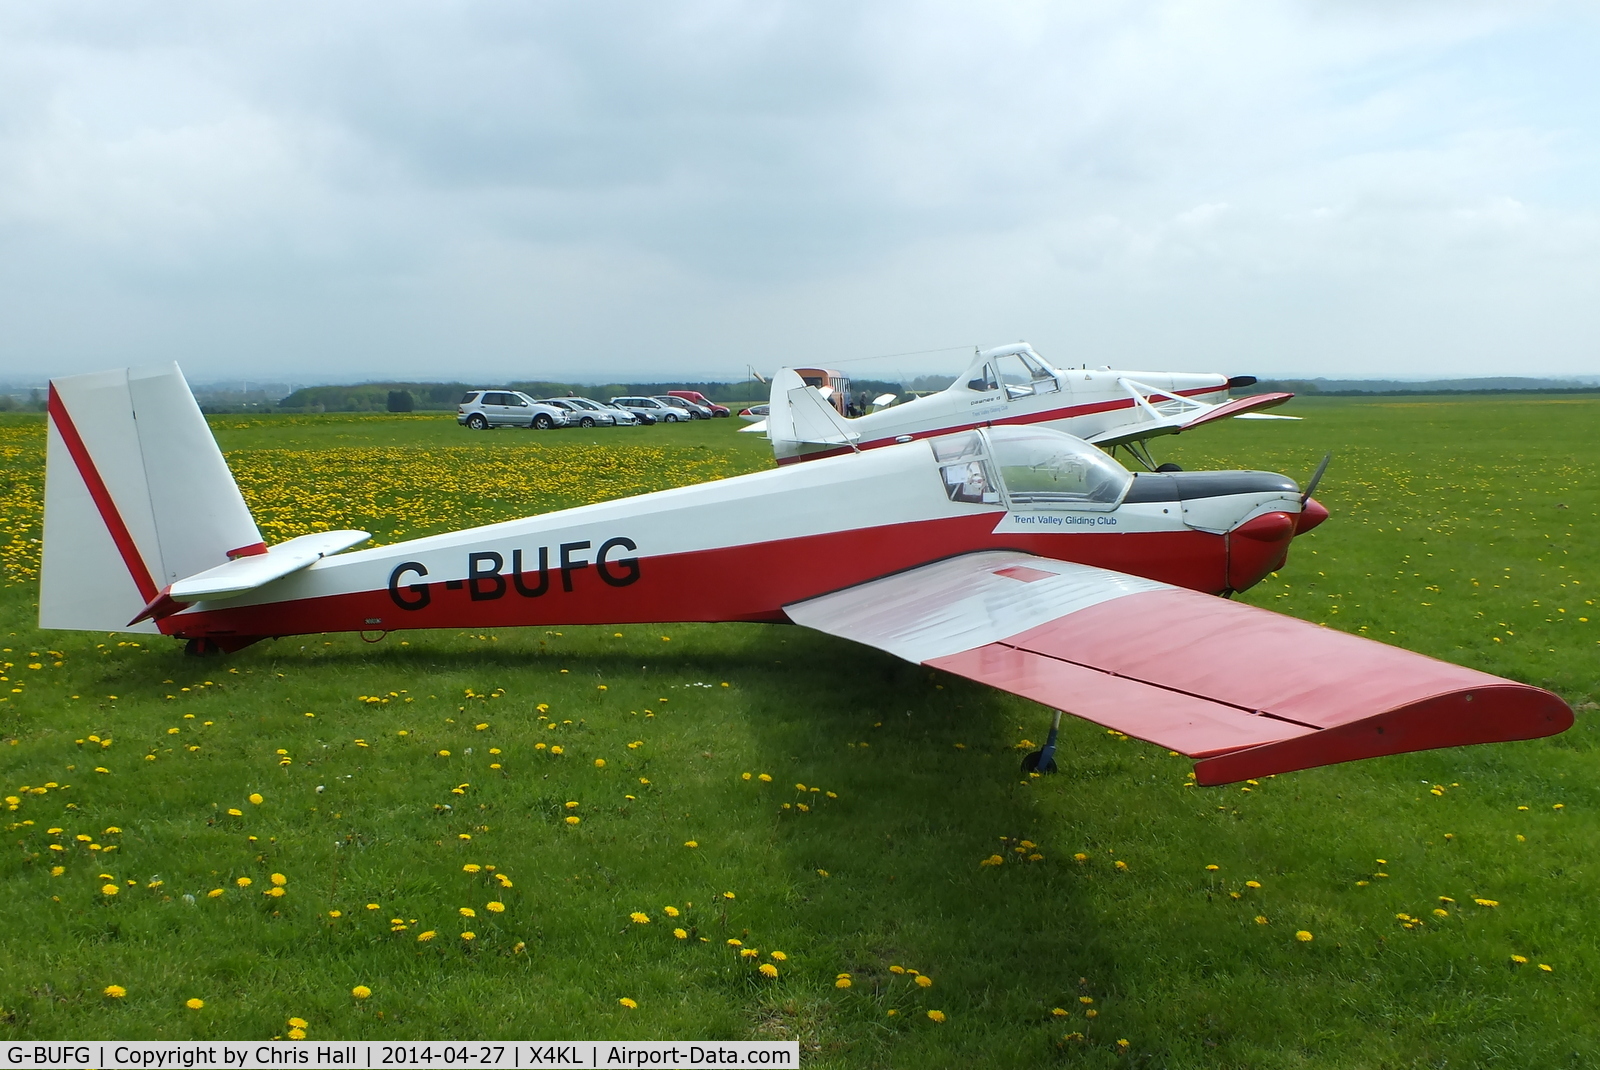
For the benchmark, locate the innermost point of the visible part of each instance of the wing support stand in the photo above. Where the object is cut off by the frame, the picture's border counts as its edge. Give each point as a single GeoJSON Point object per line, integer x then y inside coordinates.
{"type": "Point", "coordinates": [1044, 761]}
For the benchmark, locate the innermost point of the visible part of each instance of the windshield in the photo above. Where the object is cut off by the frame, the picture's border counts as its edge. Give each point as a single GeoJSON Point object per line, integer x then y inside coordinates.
{"type": "Point", "coordinates": [1041, 468]}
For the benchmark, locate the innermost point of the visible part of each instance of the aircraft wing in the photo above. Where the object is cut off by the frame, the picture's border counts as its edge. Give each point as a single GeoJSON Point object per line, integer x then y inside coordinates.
{"type": "Point", "coordinates": [1246, 691]}
{"type": "Point", "coordinates": [1157, 412]}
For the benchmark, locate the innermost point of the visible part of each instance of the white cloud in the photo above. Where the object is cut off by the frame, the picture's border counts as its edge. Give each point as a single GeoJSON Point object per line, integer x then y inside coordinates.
{"type": "Point", "coordinates": [509, 189]}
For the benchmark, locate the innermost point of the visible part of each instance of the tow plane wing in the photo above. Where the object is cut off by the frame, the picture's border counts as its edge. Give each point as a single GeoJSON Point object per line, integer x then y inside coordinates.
{"type": "Point", "coordinates": [1163, 412]}
{"type": "Point", "coordinates": [1246, 691]}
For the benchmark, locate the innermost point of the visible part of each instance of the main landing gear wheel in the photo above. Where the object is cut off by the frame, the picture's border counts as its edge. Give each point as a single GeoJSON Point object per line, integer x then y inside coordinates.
{"type": "Point", "coordinates": [1169, 467]}
{"type": "Point", "coordinates": [477, 422]}
{"type": "Point", "coordinates": [542, 422]}
{"type": "Point", "coordinates": [1044, 761]}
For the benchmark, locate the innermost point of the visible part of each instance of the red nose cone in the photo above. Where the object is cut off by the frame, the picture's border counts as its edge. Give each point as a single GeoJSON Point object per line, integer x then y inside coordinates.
{"type": "Point", "coordinates": [1311, 514]}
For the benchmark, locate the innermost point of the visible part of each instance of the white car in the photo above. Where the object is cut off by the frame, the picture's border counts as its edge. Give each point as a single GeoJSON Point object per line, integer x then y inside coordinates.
{"type": "Point", "coordinates": [581, 412]}
{"type": "Point", "coordinates": [652, 408]}
{"type": "Point", "coordinates": [483, 409]}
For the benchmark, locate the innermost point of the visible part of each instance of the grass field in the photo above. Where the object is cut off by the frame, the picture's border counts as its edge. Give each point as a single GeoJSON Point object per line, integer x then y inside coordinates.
{"type": "Point", "coordinates": [395, 786]}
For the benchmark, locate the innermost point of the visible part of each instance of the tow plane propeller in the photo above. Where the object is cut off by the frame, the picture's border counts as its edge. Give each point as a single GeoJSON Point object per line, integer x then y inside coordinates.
{"type": "Point", "coordinates": [1017, 556]}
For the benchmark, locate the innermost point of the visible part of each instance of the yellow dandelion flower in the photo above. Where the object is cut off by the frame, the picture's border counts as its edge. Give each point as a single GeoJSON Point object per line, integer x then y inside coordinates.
{"type": "Point", "coordinates": [1212, 868]}
{"type": "Point", "coordinates": [691, 843]}
{"type": "Point", "coordinates": [936, 1016]}
{"type": "Point", "coordinates": [424, 937]}
{"type": "Point", "coordinates": [573, 820]}
{"type": "Point", "coordinates": [1261, 919]}
{"type": "Point", "coordinates": [279, 879]}
{"type": "Point", "coordinates": [335, 913]}
{"type": "Point", "coordinates": [274, 891]}
{"type": "Point", "coordinates": [472, 867]}
{"type": "Point", "coordinates": [235, 813]}
{"type": "Point", "coordinates": [115, 991]}
{"type": "Point", "coordinates": [467, 912]}
{"type": "Point", "coordinates": [843, 982]}
{"type": "Point", "coordinates": [765, 778]}
{"type": "Point", "coordinates": [194, 1004]}
{"type": "Point", "coordinates": [1303, 936]}
{"type": "Point", "coordinates": [469, 937]}
{"type": "Point", "coordinates": [628, 1003]}
{"type": "Point", "coordinates": [748, 952]}
{"type": "Point", "coordinates": [1059, 1012]}
{"type": "Point", "coordinates": [110, 889]}
{"type": "Point", "coordinates": [56, 871]}
{"type": "Point", "coordinates": [680, 934]}
{"type": "Point", "coordinates": [556, 750]}
{"type": "Point", "coordinates": [495, 907]}
{"type": "Point", "coordinates": [1487, 902]}
{"type": "Point", "coordinates": [361, 991]}
{"type": "Point", "coordinates": [297, 1033]}
{"type": "Point", "coordinates": [1085, 999]}
{"type": "Point", "coordinates": [1546, 969]}
{"type": "Point", "coordinates": [744, 776]}
{"type": "Point", "coordinates": [768, 970]}
{"type": "Point", "coordinates": [1520, 960]}
{"type": "Point", "coordinates": [639, 917]}
{"type": "Point", "coordinates": [1252, 884]}
{"type": "Point", "coordinates": [256, 799]}
{"type": "Point", "coordinates": [444, 754]}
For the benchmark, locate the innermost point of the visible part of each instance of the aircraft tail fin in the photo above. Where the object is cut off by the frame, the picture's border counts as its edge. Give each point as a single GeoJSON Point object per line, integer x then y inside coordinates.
{"type": "Point", "coordinates": [137, 496]}
{"type": "Point", "coordinates": [800, 421]}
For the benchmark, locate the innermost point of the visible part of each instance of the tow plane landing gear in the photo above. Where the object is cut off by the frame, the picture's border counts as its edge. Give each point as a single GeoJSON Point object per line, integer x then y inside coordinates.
{"type": "Point", "coordinates": [1044, 761]}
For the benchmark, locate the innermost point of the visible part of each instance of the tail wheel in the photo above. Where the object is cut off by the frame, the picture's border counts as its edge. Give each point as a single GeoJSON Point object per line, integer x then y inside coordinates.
{"type": "Point", "coordinates": [587, 421]}
{"type": "Point", "coordinates": [478, 422]}
{"type": "Point", "coordinates": [543, 421]}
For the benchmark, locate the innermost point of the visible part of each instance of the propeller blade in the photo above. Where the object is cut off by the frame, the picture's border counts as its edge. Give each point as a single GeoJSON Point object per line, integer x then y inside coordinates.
{"type": "Point", "coordinates": [1315, 479]}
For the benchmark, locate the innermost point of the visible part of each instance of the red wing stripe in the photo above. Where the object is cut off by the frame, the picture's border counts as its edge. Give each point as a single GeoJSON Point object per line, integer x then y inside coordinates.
{"type": "Point", "coordinates": [102, 498]}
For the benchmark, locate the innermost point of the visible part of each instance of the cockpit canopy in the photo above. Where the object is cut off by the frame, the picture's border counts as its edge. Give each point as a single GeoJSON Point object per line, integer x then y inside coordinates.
{"type": "Point", "coordinates": [1028, 468]}
{"type": "Point", "coordinates": [1016, 367]}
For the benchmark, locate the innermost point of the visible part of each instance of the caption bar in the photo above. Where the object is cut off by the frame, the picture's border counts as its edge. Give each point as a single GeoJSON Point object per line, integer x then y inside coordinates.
{"type": "Point", "coordinates": [341, 1055]}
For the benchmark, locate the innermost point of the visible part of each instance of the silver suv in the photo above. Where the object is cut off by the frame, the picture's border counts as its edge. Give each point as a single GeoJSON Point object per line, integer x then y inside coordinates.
{"type": "Point", "coordinates": [483, 409]}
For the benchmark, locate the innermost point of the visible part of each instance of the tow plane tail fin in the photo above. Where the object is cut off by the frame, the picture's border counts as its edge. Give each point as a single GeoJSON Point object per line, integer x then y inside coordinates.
{"type": "Point", "coordinates": [800, 421]}
{"type": "Point", "coordinates": [137, 496]}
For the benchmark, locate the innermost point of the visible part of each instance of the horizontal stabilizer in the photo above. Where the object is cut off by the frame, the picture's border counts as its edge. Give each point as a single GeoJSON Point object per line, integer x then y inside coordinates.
{"type": "Point", "coordinates": [247, 573]}
{"type": "Point", "coordinates": [1249, 692]}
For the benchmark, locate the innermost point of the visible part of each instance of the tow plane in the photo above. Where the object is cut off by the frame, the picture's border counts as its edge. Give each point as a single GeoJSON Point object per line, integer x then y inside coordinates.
{"type": "Point", "coordinates": [1014, 555]}
{"type": "Point", "coordinates": [1013, 386]}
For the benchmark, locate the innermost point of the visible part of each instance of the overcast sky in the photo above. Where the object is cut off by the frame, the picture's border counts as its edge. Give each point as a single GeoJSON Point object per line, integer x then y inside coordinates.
{"type": "Point", "coordinates": [603, 190]}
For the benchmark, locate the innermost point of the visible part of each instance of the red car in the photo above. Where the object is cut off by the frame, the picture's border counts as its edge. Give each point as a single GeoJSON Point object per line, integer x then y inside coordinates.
{"type": "Point", "coordinates": [700, 399]}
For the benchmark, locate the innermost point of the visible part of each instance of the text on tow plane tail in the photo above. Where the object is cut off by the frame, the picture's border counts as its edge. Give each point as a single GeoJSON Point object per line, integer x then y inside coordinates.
{"type": "Point", "coordinates": [1008, 386]}
{"type": "Point", "coordinates": [1017, 556]}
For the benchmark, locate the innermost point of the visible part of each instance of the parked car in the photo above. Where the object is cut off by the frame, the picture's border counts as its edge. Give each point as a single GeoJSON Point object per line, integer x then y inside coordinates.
{"type": "Point", "coordinates": [701, 400]}
{"type": "Point", "coordinates": [695, 412]}
{"type": "Point", "coordinates": [483, 409]}
{"type": "Point", "coordinates": [641, 406]}
{"type": "Point", "coordinates": [585, 413]}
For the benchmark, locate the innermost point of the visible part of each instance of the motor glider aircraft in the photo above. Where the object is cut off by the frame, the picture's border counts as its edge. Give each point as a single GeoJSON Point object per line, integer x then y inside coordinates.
{"type": "Point", "coordinates": [1016, 556]}
{"type": "Point", "coordinates": [1013, 386]}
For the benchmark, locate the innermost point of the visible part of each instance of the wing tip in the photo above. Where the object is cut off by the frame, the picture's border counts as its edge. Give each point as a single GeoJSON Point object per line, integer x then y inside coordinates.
{"type": "Point", "coordinates": [1495, 713]}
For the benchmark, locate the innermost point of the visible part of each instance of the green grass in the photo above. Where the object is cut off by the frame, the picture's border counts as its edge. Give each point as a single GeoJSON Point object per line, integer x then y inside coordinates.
{"type": "Point", "coordinates": [1448, 531]}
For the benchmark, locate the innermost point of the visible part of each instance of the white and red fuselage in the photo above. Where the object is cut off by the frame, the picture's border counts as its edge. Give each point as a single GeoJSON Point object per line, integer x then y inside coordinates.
{"type": "Point", "coordinates": [741, 549]}
{"type": "Point", "coordinates": [1012, 386]}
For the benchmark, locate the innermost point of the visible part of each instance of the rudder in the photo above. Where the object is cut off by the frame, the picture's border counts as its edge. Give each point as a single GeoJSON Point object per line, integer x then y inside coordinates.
{"type": "Point", "coordinates": [137, 495]}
